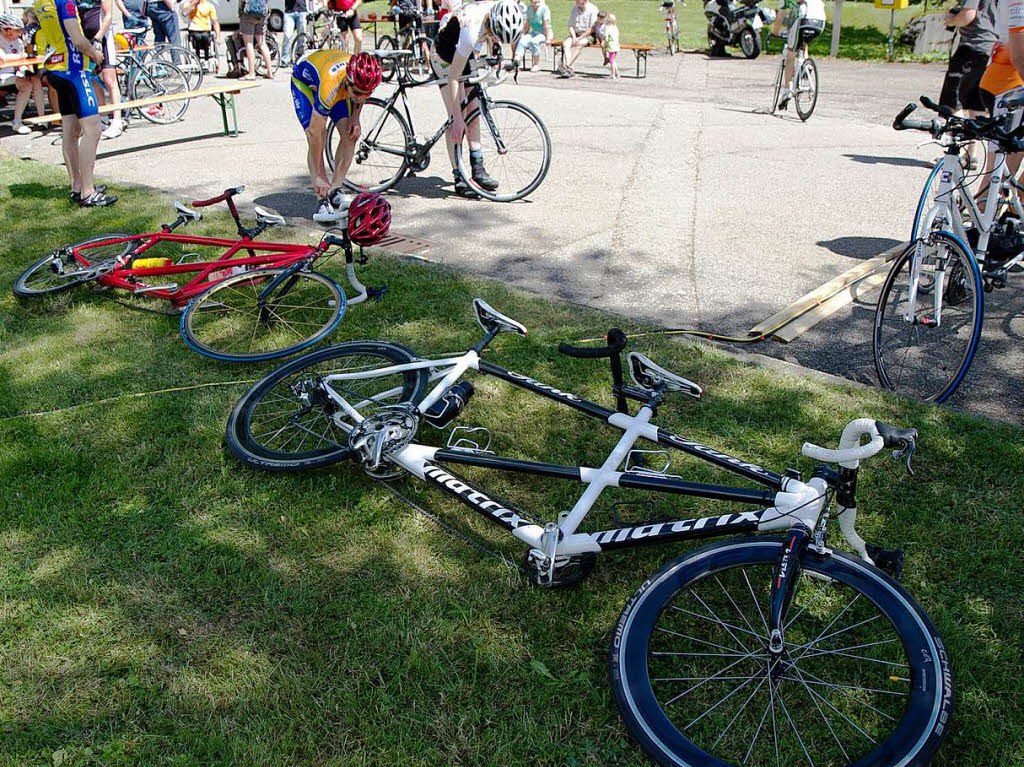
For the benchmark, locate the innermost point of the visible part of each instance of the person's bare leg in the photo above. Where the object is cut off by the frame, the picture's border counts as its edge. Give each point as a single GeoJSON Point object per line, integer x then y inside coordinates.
{"type": "Point", "coordinates": [346, 149]}
{"type": "Point", "coordinates": [90, 127]}
{"type": "Point", "coordinates": [265, 53]}
{"type": "Point", "coordinates": [577, 49]}
{"type": "Point", "coordinates": [69, 147]}
{"type": "Point", "coordinates": [358, 35]}
{"type": "Point", "coordinates": [37, 94]}
{"type": "Point", "coordinates": [109, 77]}
{"type": "Point", "coordinates": [250, 56]}
{"type": "Point", "coordinates": [21, 98]}
{"type": "Point", "coordinates": [448, 143]}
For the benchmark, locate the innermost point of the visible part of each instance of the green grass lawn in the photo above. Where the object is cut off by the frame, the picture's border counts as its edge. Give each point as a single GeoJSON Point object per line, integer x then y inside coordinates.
{"type": "Point", "coordinates": [864, 33]}
{"type": "Point", "coordinates": [162, 604]}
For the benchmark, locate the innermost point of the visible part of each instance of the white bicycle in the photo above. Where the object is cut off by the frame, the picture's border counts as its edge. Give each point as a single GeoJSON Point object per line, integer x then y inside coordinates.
{"type": "Point", "coordinates": [754, 651]}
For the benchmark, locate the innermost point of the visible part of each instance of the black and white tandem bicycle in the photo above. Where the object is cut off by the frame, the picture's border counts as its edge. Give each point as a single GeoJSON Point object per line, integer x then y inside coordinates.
{"type": "Point", "coordinates": [758, 650]}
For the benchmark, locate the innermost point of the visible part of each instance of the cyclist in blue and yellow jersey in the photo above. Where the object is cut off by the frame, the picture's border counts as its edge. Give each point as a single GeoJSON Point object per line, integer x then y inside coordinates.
{"type": "Point", "coordinates": [66, 73]}
{"type": "Point", "coordinates": [806, 21]}
{"type": "Point", "coordinates": [328, 85]}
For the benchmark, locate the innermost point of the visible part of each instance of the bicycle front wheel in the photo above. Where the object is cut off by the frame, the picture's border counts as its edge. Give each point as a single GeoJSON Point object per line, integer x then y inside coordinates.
{"type": "Point", "coordinates": [923, 344]}
{"type": "Point", "coordinates": [381, 156]}
{"type": "Point", "coordinates": [61, 270]}
{"type": "Point", "coordinates": [184, 59]}
{"type": "Point", "coordinates": [237, 321]}
{"type": "Point", "coordinates": [288, 421]}
{"type": "Point", "coordinates": [806, 95]}
{"type": "Point", "coordinates": [864, 678]}
{"type": "Point", "coordinates": [301, 45]}
{"type": "Point", "coordinates": [516, 150]}
{"type": "Point", "coordinates": [155, 80]}
{"type": "Point", "coordinates": [417, 66]}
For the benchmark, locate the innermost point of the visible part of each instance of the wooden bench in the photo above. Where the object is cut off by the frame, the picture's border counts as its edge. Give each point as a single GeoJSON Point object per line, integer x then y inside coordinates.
{"type": "Point", "coordinates": [640, 51]}
{"type": "Point", "coordinates": [224, 94]}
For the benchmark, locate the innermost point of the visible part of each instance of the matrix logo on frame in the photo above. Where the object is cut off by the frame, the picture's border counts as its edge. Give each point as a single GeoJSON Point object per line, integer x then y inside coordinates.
{"type": "Point", "coordinates": [672, 528]}
{"type": "Point", "coordinates": [474, 498]}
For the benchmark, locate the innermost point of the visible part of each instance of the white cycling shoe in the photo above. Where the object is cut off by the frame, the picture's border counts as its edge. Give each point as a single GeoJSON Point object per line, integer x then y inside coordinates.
{"type": "Point", "coordinates": [328, 213]}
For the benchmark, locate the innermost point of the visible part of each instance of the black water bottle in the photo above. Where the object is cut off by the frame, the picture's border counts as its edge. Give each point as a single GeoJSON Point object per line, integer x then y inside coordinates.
{"type": "Point", "coordinates": [449, 405]}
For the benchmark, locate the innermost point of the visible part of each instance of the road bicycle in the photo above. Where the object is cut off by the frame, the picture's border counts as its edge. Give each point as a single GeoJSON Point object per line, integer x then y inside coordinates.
{"type": "Point", "coordinates": [931, 309]}
{"type": "Point", "coordinates": [514, 140]}
{"type": "Point", "coordinates": [753, 651]}
{"type": "Point", "coordinates": [668, 9]}
{"type": "Point", "coordinates": [252, 300]}
{"type": "Point", "coordinates": [415, 67]}
{"type": "Point", "coordinates": [184, 59]}
{"type": "Point", "coordinates": [321, 32]}
{"type": "Point", "coordinates": [805, 83]}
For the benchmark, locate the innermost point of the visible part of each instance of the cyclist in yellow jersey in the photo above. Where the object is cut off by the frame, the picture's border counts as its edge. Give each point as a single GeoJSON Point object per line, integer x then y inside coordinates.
{"type": "Point", "coordinates": [328, 85]}
{"type": "Point", "coordinates": [66, 74]}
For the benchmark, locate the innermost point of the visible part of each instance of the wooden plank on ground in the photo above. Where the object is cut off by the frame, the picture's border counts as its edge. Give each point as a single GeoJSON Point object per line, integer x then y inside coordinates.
{"type": "Point", "coordinates": [838, 286]}
{"type": "Point", "coordinates": [231, 89]}
{"type": "Point", "coordinates": [823, 311]}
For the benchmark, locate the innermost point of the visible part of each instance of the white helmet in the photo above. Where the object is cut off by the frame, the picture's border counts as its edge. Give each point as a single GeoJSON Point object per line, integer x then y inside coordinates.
{"type": "Point", "coordinates": [10, 21]}
{"type": "Point", "coordinates": [507, 20]}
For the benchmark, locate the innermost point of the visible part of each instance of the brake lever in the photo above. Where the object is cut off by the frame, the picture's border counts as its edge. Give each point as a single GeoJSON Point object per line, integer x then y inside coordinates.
{"type": "Point", "coordinates": [906, 452]}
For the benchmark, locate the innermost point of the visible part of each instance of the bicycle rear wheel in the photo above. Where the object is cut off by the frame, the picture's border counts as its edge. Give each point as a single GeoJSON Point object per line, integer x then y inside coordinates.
{"type": "Point", "coordinates": [156, 79]}
{"type": "Point", "coordinates": [913, 355]}
{"type": "Point", "coordinates": [301, 45]}
{"type": "Point", "coordinates": [382, 155]}
{"type": "Point", "coordinates": [288, 421]}
{"type": "Point", "coordinates": [233, 321]}
{"type": "Point", "coordinates": [864, 677]}
{"type": "Point", "coordinates": [61, 270]}
{"type": "Point", "coordinates": [806, 95]}
{"type": "Point", "coordinates": [516, 150]}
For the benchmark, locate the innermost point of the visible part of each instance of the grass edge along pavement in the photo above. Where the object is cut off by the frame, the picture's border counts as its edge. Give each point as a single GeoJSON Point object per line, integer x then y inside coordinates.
{"type": "Point", "coordinates": [165, 605]}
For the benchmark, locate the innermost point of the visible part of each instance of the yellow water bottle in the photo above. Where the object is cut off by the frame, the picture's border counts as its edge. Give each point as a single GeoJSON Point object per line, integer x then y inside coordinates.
{"type": "Point", "coordinates": [150, 263]}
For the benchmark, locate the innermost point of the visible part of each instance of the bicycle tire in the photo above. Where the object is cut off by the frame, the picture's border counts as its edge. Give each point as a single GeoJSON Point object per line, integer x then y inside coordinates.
{"type": "Point", "coordinates": [333, 444]}
{"type": "Point", "coordinates": [160, 79]}
{"type": "Point", "coordinates": [301, 45]}
{"type": "Point", "coordinates": [23, 289]}
{"type": "Point", "coordinates": [417, 66]}
{"type": "Point", "coordinates": [932, 361]}
{"type": "Point", "coordinates": [501, 113]}
{"type": "Point", "coordinates": [780, 73]}
{"type": "Point", "coordinates": [806, 81]}
{"type": "Point", "coordinates": [223, 314]}
{"type": "Point", "coordinates": [924, 690]}
{"type": "Point", "coordinates": [388, 64]}
{"type": "Point", "coordinates": [185, 59]}
{"type": "Point", "coordinates": [381, 157]}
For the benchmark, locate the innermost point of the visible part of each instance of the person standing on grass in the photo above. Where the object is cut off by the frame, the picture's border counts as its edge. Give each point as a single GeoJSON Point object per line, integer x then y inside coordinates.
{"type": "Point", "coordinates": [582, 19]}
{"type": "Point", "coordinates": [66, 73]}
{"type": "Point", "coordinates": [253, 24]}
{"type": "Point", "coordinates": [537, 32]}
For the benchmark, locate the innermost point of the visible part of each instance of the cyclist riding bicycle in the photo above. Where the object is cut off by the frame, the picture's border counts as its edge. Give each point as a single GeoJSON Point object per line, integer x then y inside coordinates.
{"type": "Point", "coordinates": [464, 33]}
{"type": "Point", "coordinates": [806, 21]}
{"type": "Point", "coordinates": [66, 73]}
{"type": "Point", "coordinates": [331, 85]}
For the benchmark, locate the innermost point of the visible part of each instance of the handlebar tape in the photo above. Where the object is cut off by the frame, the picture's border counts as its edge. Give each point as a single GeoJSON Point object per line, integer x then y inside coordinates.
{"type": "Point", "coordinates": [227, 193]}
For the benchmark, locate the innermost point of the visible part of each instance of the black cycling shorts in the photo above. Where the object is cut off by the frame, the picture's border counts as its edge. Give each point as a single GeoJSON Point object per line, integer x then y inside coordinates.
{"type": "Point", "coordinates": [75, 93]}
{"type": "Point", "coordinates": [345, 23]}
{"type": "Point", "coordinates": [960, 89]}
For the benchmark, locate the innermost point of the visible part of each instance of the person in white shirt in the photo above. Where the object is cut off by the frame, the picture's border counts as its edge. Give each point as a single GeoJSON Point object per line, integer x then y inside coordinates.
{"type": "Point", "coordinates": [806, 20]}
{"type": "Point", "coordinates": [582, 19]}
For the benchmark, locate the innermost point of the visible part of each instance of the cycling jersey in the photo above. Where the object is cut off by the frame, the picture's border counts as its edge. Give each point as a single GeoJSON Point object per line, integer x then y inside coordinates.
{"type": "Point", "coordinates": [319, 83]}
{"type": "Point", "coordinates": [462, 31]}
{"type": "Point", "coordinates": [55, 17]}
{"type": "Point", "coordinates": [1001, 74]}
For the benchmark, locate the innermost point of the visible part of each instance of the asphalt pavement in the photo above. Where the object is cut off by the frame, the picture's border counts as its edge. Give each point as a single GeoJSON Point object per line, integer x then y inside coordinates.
{"type": "Point", "coordinates": [675, 199]}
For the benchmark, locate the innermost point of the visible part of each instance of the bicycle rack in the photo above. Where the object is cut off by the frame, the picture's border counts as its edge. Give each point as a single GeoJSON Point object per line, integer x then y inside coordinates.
{"type": "Point", "coordinates": [636, 462]}
{"type": "Point", "coordinates": [470, 444]}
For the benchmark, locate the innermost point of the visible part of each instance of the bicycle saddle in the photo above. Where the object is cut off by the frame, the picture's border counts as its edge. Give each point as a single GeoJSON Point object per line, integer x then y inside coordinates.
{"type": "Point", "coordinates": [264, 216]}
{"type": "Point", "coordinates": [648, 375]}
{"type": "Point", "coordinates": [490, 318]}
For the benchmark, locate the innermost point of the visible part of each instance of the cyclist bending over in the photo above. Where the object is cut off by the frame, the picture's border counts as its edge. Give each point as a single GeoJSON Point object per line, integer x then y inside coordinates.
{"type": "Point", "coordinates": [464, 33]}
{"type": "Point", "coordinates": [331, 85]}
{"type": "Point", "coordinates": [806, 22]}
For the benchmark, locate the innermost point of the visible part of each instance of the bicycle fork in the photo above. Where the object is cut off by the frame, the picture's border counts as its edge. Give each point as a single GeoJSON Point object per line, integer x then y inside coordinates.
{"type": "Point", "coordinates": [785, 577]}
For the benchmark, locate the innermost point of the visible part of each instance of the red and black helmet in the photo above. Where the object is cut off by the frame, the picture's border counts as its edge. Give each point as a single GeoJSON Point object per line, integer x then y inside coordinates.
{"type": "Point", "coordinates": [369, 218]}
{"type": "Point", "coordinates": [364, 72]}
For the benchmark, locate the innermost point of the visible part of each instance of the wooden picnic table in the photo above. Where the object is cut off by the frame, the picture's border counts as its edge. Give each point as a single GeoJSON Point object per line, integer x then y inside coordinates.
{"type": "Point", "coordinates": [641, 52]}
{"type": "Point", "coordinates": [223, 93]}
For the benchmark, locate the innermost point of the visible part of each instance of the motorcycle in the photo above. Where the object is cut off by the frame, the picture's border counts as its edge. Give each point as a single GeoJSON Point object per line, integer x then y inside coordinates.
{"type": "Point", "coordinates": [736, 24]}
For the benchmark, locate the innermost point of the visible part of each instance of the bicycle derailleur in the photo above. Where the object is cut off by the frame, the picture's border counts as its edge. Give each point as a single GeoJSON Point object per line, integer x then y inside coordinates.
{"type": "Point", "coordinates": [381, 435]}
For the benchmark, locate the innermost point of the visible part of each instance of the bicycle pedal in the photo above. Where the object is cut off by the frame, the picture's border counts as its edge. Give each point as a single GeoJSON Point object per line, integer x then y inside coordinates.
{"type": "Point", "coordinates": [889, 561]}
{"type": "Point", "coordinates": [377, 294]}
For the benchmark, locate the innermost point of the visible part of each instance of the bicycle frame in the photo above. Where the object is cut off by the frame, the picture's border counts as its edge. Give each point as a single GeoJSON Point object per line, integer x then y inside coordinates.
{"type": "Point", "coordinates": [785, 500]}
